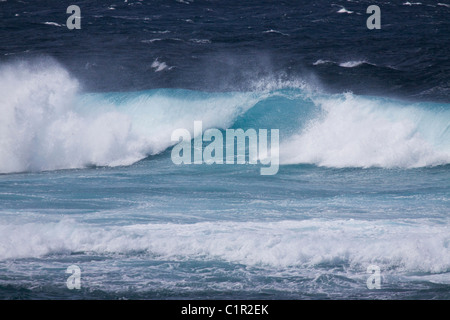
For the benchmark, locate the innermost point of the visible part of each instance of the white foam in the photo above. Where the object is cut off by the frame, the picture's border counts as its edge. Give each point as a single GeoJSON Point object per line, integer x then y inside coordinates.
{"type": "Point", "coordinates": [53, 24]}
{"type": "Point", "coordinates": [151, 40]}
{"type": "Point", "coordinates": [275, 31]}
{"type": "Point", "coordinates": [343, 10]}
{"type": "Point", "coordinates": [356, 131]}
{"type": "Point", "coordinates": [160, 39]}
{"type": "Point", "coordinates": [41, 131]}
{"type": "Point", "coordinates": [200, 41]}
{"type": "Point", "coordinates": [352, 64]}
{"type": "Point", "coordinates": [159, 66]}
{"type": "Point", "coordinates": [320, 61]}
{"type": "Point", "coordinates": [346, 64]}
{"type": "Point", "coordinates": [47, 125]}
{"type": "Point", "coordinates": [405, 245]}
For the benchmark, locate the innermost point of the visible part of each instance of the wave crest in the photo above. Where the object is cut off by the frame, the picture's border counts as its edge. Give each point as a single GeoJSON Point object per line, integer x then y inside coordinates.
{"type": "Point", "coordinates": [357, 131]}
{"type": "Point", "coordinates": [41, 129]}
{"type": "Point", "coordinates": [48, 124]}
{"type": "Point", "coordinates": [285, 243]}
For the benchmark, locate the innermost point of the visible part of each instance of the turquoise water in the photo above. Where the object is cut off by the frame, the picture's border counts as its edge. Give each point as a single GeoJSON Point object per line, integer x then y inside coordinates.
{"type": "Point", "coordinates": [109, 199]}
{"type": "Point", "coordinates": [86, 175]}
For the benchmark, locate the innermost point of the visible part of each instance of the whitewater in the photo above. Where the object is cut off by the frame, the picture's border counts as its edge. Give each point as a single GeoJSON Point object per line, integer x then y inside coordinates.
{"type": "Point", "coordinates": [48, 123]}
{"type": "Point", "coordinates": [87, 179]}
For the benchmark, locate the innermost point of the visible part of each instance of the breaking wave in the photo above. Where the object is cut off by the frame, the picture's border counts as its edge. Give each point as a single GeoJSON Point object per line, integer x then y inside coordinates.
{"type": "Point", "coordinates": [48, 123]}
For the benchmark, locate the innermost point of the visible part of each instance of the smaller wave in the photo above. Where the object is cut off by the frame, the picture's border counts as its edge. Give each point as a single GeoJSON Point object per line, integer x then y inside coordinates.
{"type": "Point", "coordinates": [275, 31]}
{"type": "Point", "coordinates": [13, 53]}
{"type": "Point", "coordinates": [151, 40]}
{"type": "Point", "coordinates": [160, 39]}
{"type": "Point", "coordinates": [407, 3]}
{"type": "Point", "coordinates": [352, 64]}
{"type": "Point", "coordinates": [444, 5]}
{"type": "Point", "coordinates": [320, 61]}
{"type": "Point", "coordinates": [200, 41]}
{"type": "Point", "coordinates": [49, 23]}
{"type": "Point", "coordinates": [346, 64]}
{"type": "Point", "coordinates": [343, 10]}
{"type": "Point", "coordinates": [406, 246]}
{"type": "Point", "coordinates": [160, 66]}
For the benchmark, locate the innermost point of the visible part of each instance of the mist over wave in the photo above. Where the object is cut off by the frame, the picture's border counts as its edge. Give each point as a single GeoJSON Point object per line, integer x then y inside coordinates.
{"type": "Point", "coordinates": [48, 123]}
{"type": "Point", "coordinates": [41, 129]}
{"type": "Point", "coordinates": [364, 150]}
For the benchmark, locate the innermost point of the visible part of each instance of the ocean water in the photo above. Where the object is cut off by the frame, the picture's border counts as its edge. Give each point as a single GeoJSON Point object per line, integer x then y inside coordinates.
{"type": "Point", "coordinates": [87, 179]}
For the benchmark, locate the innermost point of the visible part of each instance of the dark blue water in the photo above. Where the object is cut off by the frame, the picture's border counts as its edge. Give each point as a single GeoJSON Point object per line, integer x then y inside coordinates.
{"type": "Point", "coordinates": [87, 178]}
{"type": "Point", "coordinates": [225, 45]}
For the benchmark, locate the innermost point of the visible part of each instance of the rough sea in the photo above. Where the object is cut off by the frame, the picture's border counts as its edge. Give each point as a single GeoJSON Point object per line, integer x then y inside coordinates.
{"type": "Point", "coordinates": [86, 170]}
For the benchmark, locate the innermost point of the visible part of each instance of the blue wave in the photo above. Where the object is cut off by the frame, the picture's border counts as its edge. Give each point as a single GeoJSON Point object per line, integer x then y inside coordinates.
{"type": "Point", "coordinates": [48, 124]}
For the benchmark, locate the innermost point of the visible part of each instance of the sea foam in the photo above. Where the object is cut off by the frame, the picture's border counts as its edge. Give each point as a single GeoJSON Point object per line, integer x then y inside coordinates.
{"type": "Point", "coordinates": [406, 245]}
{"type": "Point", "coordinates": [48, 123]}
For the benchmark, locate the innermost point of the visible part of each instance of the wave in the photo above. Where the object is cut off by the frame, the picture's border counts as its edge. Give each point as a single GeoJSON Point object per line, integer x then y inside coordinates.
{"type": "Point", "coordinates": [200, 41]}
{"type": "Point", "coordinates": [320, 61]}
{"type": "Point", "coordinates": [343, 10]}
{"type": "Point", "coordinates": [161, 39]}
{"type": "Point", "coordinates": [404, 246]}
{"type": "Point", "coordinates": [346, 64]}
{"type": "Point", "coordinates": [53, 24]}
{"type": "Point", "coordinates": [356, 131]}
{"type": "Point", "coordinates": [160, 66]}
{"type": "Point", "coordinates": [275, 31]}
{"type": "Point", "coordinates": [48, 123]}
{"type": "Point", "coordinates": [352, 64]}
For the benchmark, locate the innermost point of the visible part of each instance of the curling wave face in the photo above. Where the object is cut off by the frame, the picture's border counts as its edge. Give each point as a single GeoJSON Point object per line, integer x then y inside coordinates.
{"type": "Point", "coordinates": [47, 123]}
